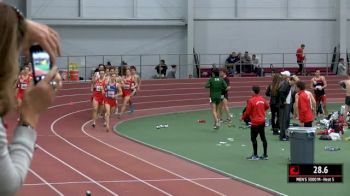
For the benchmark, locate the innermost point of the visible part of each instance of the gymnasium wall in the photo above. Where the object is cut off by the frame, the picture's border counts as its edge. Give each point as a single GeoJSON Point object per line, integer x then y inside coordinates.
{"type": "Point", "coordinates": [113, 27]}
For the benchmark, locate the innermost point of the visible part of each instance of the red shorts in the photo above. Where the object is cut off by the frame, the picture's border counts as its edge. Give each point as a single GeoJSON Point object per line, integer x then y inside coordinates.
{"type": "Point", "coordinates": [98, 96]}
{"type": "Point", "coordinates": [126, 92]}
{"type": "Point", "coordinates": [111, 102]}
{"type": "Point", "coordinates": [20, 95]}
{"type": "Point", "coordinates": [322, 99]}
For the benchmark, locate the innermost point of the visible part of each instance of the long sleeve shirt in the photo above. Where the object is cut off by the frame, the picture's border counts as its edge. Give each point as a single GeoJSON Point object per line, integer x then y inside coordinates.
{"type": "Point", "coordinates": [15, 158]}
{"type": "Point", "coordinates": [256, 107]}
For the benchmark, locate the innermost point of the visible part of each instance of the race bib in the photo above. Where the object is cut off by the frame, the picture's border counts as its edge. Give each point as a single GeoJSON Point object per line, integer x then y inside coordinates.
{"type": "Point", "coordinates": [99, 88]}
{"type": "Point", "coordinates": [110, 94]}
{"type": "Point", "coordinates": [24, 85]}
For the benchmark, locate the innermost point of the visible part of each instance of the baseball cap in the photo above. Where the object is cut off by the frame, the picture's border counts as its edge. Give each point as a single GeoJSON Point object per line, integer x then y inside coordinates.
{"type": "Point", "coordinates": [285, 73]}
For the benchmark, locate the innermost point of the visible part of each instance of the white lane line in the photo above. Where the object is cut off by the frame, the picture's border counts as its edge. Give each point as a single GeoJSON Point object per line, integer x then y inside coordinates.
{"type": "Point", "coordinates": [79, 172]}
{"type": "Point", "coordinates": [46, 183]}
{"type": "Point", "coordinates": [95, 157]}
{"type": "Point", "coordinates": [65, 104]}
{"type": "Point", "coordinates": [125, 181]}
{"type": "Point", "coordinates": [147, 162]}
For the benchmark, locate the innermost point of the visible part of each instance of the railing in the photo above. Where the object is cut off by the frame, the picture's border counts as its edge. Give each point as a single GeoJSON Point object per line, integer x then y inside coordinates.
{"type": "Point", "coordinates": [187, 64]}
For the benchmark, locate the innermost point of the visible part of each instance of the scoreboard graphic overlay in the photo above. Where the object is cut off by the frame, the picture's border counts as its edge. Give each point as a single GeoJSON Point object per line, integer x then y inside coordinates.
{"type": "Point", "coordinates": [315, 173]}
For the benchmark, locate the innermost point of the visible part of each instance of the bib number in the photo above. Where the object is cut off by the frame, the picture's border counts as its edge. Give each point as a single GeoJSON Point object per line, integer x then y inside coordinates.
{"type": "Point", "coordinates": [99, 88]}
{"type": "Point", "coordinates": [110, 94]}
{"type": "Point", "coordinates": [24, 86]}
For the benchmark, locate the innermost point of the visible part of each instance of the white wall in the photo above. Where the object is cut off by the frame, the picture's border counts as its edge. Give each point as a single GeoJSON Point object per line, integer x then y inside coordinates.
{"type": "Point", "coordinates": [268, 36]}
{"type": "Point", "coordinates": [123, 41]}
{"type": "Point", "coordinates": [221, 26]}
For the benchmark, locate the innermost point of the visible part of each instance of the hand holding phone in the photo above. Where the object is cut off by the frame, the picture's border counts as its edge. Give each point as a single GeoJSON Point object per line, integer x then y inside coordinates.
{"type": "Point", "coordinates": [41, 63]}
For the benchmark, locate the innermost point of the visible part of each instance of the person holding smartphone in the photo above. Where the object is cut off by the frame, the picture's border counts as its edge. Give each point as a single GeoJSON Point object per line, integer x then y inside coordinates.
{"type": "Point", "coordinates": [15, 32]}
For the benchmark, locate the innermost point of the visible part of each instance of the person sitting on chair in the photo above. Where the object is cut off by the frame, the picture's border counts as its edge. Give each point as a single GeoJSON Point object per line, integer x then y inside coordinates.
{"type": "Point", "coordinates": [161, 68]}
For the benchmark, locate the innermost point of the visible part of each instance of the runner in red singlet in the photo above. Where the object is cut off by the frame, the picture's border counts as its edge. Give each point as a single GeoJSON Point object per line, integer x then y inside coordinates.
{"type": "Point", "coordinates": [23, 82]}
{"type": "Point", "coordinates": [97, 95]}
{"type": "Point", "coordinates": [127, 82]}
{"type": "Point", "coordinates": [135, 86]}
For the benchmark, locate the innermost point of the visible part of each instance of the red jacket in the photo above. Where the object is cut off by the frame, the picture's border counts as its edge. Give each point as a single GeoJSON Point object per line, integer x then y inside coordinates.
{"type": "Point", "coordinates": [304, 108]}
{"type": "Point", "coordinates": [300, 54]}
{"type": "Point", "coordinates": [256, 107]}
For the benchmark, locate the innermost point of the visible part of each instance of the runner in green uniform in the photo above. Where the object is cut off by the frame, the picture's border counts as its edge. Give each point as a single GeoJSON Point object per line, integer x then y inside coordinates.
{"type": "Point", "coordinates": [216, 85]}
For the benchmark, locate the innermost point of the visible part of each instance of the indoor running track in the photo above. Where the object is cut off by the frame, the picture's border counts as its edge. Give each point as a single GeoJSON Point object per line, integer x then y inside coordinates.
{"type": "Point", "coordinates": [72, 158]}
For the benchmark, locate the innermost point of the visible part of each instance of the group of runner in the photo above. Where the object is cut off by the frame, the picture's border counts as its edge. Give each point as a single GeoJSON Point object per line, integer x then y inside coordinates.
{"type": "Point", "coordinates": [107, 86]}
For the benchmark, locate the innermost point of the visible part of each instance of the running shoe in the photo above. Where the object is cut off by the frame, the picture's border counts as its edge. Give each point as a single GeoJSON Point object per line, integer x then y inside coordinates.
{"type": "Point", "coordinates": [228, 120]}
{"type": "Point", "coordinates": [132, 108]}
{"type": "Point", "coordinates": [253, 158]}
{"type": "Point", "coordinates": [93, 125]}
{"type": "Point", "coordinates": [264, 157]}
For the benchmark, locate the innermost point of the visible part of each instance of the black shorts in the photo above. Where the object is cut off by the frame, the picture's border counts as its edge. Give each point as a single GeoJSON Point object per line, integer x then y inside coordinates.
{"type": "Point", "coordinates": [347, 100]}
{"type": "Point", "coordinates": [225, 95]}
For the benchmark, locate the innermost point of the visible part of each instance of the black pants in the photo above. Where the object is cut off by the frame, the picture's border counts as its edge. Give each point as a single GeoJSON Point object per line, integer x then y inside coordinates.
{"type": "Point", "coordinates": [301, 67]}
{"type": "Point", "coordinates": [275, 117]}
{"type": "Point", "coordinates": [254, 132]}
{"type": "Point", "coordinates": [308, 124]}
{"type": "Point", "coordinates": [284, 119]}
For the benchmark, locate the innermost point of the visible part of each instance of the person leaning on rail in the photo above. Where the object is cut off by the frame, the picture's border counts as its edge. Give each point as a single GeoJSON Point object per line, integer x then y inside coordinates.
{"type": "Point", "coordinates": [15, 32]}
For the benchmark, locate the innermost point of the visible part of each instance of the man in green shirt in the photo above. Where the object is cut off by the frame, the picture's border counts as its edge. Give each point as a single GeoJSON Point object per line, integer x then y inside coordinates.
{"type": "Point", "coordinates": [216, 85]}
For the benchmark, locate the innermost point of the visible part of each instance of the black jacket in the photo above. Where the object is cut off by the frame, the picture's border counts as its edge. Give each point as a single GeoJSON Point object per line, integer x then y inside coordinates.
{"type": "Point", "coordinates": [284, 91]}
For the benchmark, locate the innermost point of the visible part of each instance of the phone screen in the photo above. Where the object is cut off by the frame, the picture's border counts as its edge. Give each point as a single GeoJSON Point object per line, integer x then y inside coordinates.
{"type": "Point", "coordinates": [41, 64]}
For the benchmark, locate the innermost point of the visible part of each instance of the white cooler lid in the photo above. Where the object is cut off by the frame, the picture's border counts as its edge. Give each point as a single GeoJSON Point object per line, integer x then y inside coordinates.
{"type": "Point", "coordinates": [302, 129]}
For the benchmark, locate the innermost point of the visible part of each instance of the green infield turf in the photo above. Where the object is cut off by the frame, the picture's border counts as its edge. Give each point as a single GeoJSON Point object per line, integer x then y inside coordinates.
{"type": "Point", "coordinates": [227, 148]}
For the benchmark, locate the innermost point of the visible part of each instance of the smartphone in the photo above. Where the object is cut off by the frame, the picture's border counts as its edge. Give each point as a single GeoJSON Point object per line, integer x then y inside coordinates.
{"type": "Point", "coordinates": [41, 63]}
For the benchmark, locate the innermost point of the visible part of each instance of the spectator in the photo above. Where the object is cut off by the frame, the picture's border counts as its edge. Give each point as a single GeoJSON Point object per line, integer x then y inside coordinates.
{"type": "Point", "coordinates": [230, 61]}
{"type": "Point", "coordinates": [272, 91]}
{"type": "Point", "coordinates": [256, 66]}
{"type": "Point", "coordinates": [285, 100]}
{"type": "Point", "coordinates": [300, 59]}
{"type": "Point", "coordinates": [123, 67]}
{"type": "Point", "coordinates": [293, 80]}
{"type": "Point", "coordinates": [247, 63]}
{"type": "Point", "coordinates": [15, 31]}
{"type": "Point", "coordinates": [161, 68]}
{"type": "Point", "coordinates": [238, 63]}
{"type": "Point", "coordinates": [172, 72]}
{"type": "Point", "coordinates": [341, 68]}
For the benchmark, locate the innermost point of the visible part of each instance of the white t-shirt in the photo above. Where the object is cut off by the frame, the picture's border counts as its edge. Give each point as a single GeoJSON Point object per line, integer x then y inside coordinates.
{"type": "Point", "coordinates": [289, 97]}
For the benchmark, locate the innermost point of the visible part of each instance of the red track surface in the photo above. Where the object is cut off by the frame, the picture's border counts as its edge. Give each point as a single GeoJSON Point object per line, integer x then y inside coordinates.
{"type": "Point", "coordinates": [72, 157]}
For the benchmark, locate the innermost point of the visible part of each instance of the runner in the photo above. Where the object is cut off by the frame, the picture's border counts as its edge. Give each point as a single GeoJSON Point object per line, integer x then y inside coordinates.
{"type": "Point", "coordinates": [224, 104]}
{"type": "Point", "coordinates": [127, 82]}
{"type": "Point", "coordinates": [97, 96]}
{"type": "Point", "coordinates": [345, 84]}
{"type": "Point", "coordinates": [305, 105]}
{"type": "Point", "coordinates": [135, 86]}
{"type": "Point", "coordinates": [23, 82]}
{"type": "Point", "coordinates": [319, 83]}
{"type": "Point", "coordinates": [113, 90]}
{"type": "Point", "coordinates": [216, 86]}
